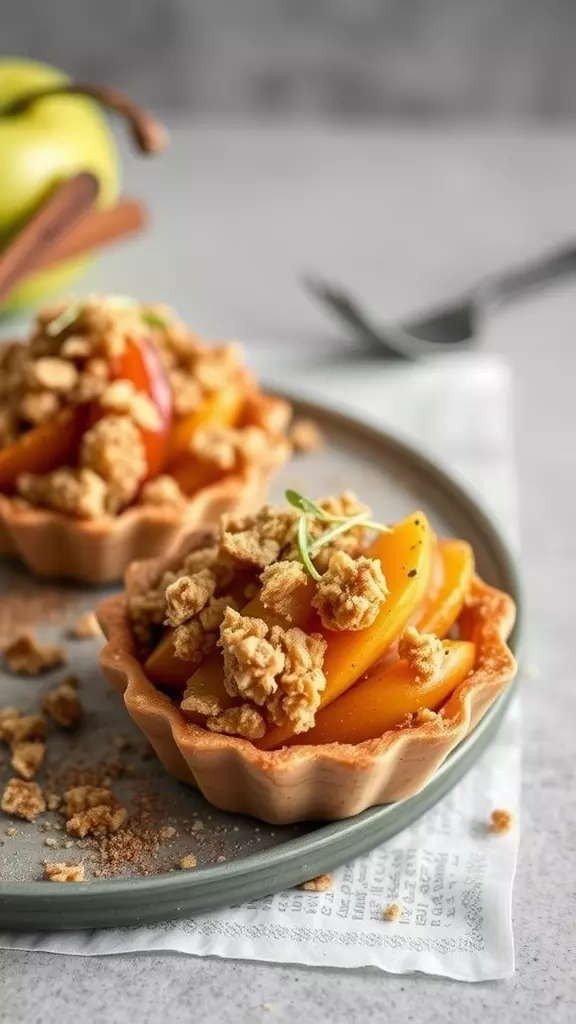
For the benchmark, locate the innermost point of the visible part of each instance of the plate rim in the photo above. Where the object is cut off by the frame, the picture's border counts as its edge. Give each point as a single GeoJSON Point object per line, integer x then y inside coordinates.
{"type": "Point", "coordinates": [18, 895]}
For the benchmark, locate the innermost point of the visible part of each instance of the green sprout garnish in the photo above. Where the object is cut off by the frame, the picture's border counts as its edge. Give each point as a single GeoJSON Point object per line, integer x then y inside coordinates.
{"type": "Point", "coordinates": [311, 510]}
{"type": "Point", "coordinates": [64, 319]}
{"type": "Point", "coordinates": [154, 320]}
{"type": "Point", "coordinates": [69, 315]}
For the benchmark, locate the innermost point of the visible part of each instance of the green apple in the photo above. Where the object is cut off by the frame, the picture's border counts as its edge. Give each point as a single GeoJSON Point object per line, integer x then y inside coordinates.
{"type": "Point", "coordinates": [51, 128]}
{"type": "Point", "coordinates": [40, 146]}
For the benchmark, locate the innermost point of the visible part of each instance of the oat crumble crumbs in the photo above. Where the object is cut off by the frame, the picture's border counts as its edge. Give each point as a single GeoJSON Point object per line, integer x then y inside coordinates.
{"type": "Point", "coordinates": [191, 643]}
{"type": "Point", "coordinates": [278, 669]}
{"type": "Point", "coordinates": [23, 799]}
{"type": "Point", "coordinates": [251, 662]}
{"type": "Point", "coordinates": [188, 595]}
{"type": "Point", "coordinates": [351, 592]}
{"type": "Point", "coordinates": [424, 653]}
{"type": "Point", "coordinates": [86, 626]}
{"type": "Point", "coordinates": [92, 810]}
{"type": "Point", "coordinates": [239, 721]}
{"type": "Point", "coordinates": [63, 705]}
{"type": "Point", "coordinates": [188, 862]}
{"type": "Point", "coordinates": [75, 492]}
{"type": "Point", "coordinates": [257, 540]}
{"type": "Point", "coordinates": [167, 832]}
{"type": "Point", "coordinates": [163, 491]}
{"type": "Point", "coordinates": [64, 872]}
{"type": "Point", "coordinates": [206, 706]}
{"type": "Point", "coordinates": [392, 912]}
{"type": "Point", "coordinates": [27, 758]}
{"type": "Point", "coordinates": [96, 821]}
{"type": "Point", "coordinates": [113, 449]}
{"type": "Point", "coordinates": [306, 436]}
{"type": "Point", "coordinates": [322, 883]}
{"type": "Point", "coordinates": [283, 584]}
{"type": "Point", "coordinates": [53, 801]}
{"type": "Point", "coordinates": [501, 822]}
{"type": "Point", "coordinates": [26, 656]}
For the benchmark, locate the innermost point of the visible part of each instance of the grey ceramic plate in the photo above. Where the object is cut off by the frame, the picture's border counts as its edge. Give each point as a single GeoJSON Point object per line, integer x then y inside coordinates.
{"type": "Point", "coordinates": [259, 859]}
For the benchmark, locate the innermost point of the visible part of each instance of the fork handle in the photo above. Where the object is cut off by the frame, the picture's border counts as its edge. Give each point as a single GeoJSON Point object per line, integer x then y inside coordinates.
{"type": "Point", "coordinates": [509, 285]}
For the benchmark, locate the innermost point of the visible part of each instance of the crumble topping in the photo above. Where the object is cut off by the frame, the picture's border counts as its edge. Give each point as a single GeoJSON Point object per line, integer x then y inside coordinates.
{"type": "Point", "coordinates": [306, 436]}
{"type": "Point", "coordinates": [86, 626]}
{"type": "Point", "coordinates": [187, 394]}
{"type": "Point", "coordinates": [424, 652]}
{"type": "Point", "coordinates": [251, 662]}
{"type": "Point", "coordinates": [163, 490]}
{"type": "Point", "coordinates": [216, 365]}
{"type": "Point", "coordinates": [114, 450]}
{"type": "Point", "coordinates": [188, 862]}
{"type": "Point", "coordinates": [192, 643]}
{"type": "Point", "coordinates": [351, 592]}
{"type": "Point", "coordinates": [64, 872]}
{"type": "Point", "coordinates": [233, 448]}
{"type": "Point", "coordinates": [501, 821]}
{"type": "Point", "coordinates": [258, 539]}
{"type": "Point", "coordinates": [353, 541]}
{"type": "Point", "coordinates": [38, 407]}
{"type": "Point", "coordinates": [211, 616]}
{"type": "Point", "coordinates": [392, 912]}
{"type": "Point", "coordinates": [322, 883]}
{"type": "Point", "coordinates": [23, 799]}
{"type": "Point", "coordinates": [188, 595]}
{"type": "Point", "coordinates": [27, 757]}
{"type": "Point", "coordinates": [26, 656]}
{"type": "Point", "coordinates": [74, 492]}
{"type": "Point", "coordinates": [201, 705]}
{"type": "Point", "coordinates": [52, 374]}
{"type": "Point", "coordinates": [268, 412]}
{"type": "Point", "coordinates": [121, 397]}
{"type": "Point", "coordinates": [241, 721]}
{"type": "Point", "coordinates": [283, 585]}
{"type": "Point", "coordinates": [63, 705]}
{"type": "Point", "coordinates": [302, 680]}
{"type": "Point", "coordinates": [278, 669]}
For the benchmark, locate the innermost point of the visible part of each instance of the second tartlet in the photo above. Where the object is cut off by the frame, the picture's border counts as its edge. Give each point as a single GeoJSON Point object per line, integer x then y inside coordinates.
{"type": "Point", "coordinates": [120, 431]}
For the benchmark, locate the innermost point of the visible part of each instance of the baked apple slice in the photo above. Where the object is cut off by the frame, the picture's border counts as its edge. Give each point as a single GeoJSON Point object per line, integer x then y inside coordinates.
{"type": "Point", "coordinates": [381, 702]}
{"type": "Point", "coordinates": [43, 448]}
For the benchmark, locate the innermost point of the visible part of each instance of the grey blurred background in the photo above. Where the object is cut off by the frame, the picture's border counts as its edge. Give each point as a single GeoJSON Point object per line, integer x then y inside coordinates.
{"type": "Point", "coordinates": [505, 59]}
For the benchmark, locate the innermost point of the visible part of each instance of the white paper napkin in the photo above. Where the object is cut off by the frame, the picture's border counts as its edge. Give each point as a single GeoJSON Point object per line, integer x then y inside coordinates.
{"type": "Point", "coordinates": [450, 876]}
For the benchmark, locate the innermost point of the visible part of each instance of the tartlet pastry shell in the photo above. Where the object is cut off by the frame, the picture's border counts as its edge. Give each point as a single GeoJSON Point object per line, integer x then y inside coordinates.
{"type": "Point", "coordinates": [327, 782]}
{"type": "Point", "coordinates": [98, 551]}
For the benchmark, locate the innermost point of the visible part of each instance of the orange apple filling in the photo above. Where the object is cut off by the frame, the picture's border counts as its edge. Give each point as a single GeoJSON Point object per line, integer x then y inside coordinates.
{"type": "Point", "coordinates": [112, 403]}
{"type": "Point", "coordinates": [311, 624]}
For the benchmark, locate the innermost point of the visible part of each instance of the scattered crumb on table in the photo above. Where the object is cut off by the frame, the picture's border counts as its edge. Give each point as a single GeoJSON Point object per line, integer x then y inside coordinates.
{"type": "Point", "coordinates": [501, 821]}
{"type": "Point", "coordinates": [86, 626]}
{"type": "Point", "coordinates": [26, 656]}
{"type": "Point", "coordinates": [188, 862]}
{"type": "Point", "coordinates": [62, 872]}
{"type": "Point", "coordinates": [392, 912]}
{"type": "Point", "coordinates": [322, 883]}
{"type": "Point", "coordinates": [306, 436]}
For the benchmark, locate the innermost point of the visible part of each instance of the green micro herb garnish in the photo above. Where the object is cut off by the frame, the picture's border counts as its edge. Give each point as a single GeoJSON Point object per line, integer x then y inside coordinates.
{"type": "Point", "coordinates": [69, 315]}
{"type": "Point", "coordinates": [312, 511]}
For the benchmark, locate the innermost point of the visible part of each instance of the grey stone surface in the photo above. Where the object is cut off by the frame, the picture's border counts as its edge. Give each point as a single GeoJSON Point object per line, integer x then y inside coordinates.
{"type": "Point", "coordinates": [406, 217]}
{"type": "Point", "coordinates": [329, 58]}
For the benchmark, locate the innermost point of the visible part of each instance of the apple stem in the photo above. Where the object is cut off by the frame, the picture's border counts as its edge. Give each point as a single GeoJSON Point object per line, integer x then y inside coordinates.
{"type": "Point", "coordinates": [148, 133]}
